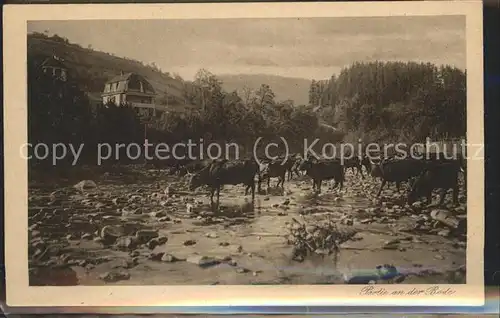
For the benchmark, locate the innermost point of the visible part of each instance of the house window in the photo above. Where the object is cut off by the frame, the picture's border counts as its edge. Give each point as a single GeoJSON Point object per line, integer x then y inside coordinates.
{"type": "Point", "coordinates": [57, 72]}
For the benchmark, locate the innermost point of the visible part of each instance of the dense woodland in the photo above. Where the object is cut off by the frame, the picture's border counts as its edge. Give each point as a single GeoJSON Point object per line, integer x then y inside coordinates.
{"type": "Point", "coordinates": [396, 101]}
{"type": "Point", "coordinates": [376, 101]}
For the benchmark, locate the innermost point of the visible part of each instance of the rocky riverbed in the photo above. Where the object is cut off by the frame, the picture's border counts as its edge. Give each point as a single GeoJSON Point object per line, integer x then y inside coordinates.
{"type": "Point", "coordinates": [136, 226]}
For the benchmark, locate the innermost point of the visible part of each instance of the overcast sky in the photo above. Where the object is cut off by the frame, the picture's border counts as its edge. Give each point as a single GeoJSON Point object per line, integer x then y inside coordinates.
{"type": "Point", "coordinates": [313, 48]}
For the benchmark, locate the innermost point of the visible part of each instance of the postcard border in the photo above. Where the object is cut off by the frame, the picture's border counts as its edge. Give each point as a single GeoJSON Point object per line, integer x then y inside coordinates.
{"type": "Point", "coordinates": [19, 293]}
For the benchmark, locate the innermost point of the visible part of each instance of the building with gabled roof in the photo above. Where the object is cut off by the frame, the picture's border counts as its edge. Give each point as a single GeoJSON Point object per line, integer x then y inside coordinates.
{"type": "Point", "coordinates": [129, 88]}
{"type": "Point", "coordinates": [54, 66]}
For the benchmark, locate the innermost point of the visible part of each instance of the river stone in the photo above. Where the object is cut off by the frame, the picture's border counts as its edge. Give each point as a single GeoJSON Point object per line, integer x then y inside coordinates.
{"type": "Point", "coordinates": [85, 185]}
{"type": "Point", "coordinates": [202, 261]}
{"type": "Point", "coordinates": [169, 258]}
{"type": "Point", "coordinates": [126, 242]}
{"type": "Point", "coordinates": [115, 276]}
{"type": "Point", "coordinates": [144, 236]}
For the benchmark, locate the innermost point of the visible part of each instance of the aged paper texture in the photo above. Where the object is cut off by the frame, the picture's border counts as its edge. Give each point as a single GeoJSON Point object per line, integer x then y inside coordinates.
{"type": "Point", "coordinates": [273, 175]}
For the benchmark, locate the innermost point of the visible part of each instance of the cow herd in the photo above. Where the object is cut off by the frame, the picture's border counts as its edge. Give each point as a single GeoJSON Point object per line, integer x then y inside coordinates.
{"type": "Point", "coordinates": [433, 172]}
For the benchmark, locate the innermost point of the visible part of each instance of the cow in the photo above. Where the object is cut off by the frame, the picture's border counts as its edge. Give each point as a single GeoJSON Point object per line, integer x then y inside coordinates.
{"type": "Point", "coordinates": [221, 172]}
{"type": "Point", "coordinates": [375, 170]}
{"type": "Point", "coordinates": [323, 169]}
{"type": "Point", "coordinates": [397, 170]}
{"type": "Point", "coordinates": [369, 159]}
{"type": "Point", "coordinates": [193, 167]}
{"type": "Point", "coordinates": [296, 165]}
{"type": "Point", "coordinates": [441, 157]}
{"type": "Point", "coordinates": [272, 169]}
{"type": "Point", "coordinates": [292, 164]}
{"type": "Point", "coordinates": [441, 175]}
{"type": "Point", "coordinates": [353, 163]}
{"type": "Point", "coordinates": [278, 168]}
{"type": "Point", "coordinates": [365, 162]}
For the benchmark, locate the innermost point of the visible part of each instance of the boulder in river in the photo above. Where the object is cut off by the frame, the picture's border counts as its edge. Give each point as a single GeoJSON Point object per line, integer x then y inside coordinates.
{"type": "Point", "coordinates": [126, 243]}
{"type": "Point", "coordinates": [85, 185]}
{"type": "Point", "coordinates": [109, 234]}
{"type": "Point", "coordinates": [202, 261]}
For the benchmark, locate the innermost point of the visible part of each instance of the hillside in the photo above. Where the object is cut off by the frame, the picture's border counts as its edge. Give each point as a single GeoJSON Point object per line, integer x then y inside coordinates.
{"type": "Point", "coordinates": [296, 89]}
{"type": "Point", "coordinates": [93, 68]}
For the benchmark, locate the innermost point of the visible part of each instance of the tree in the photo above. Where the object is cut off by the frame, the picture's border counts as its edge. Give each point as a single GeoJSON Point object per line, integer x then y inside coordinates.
{"type": "Point", "coordinates": [204, 78]}
{"type": "Point", "coordinates": [209, 88]}
{"type": "Point", "coordinates": [398, 100]}
{"type": "Point", "coordinates": [178, 77]}
{"type": "Point", "coordinates": [318, 94]}
{"type": "Point", "coordinates": [313, 96]}
{"type": "Point", "coordinates": [248, 96]}
{"type": "Point", "coordinates": [289, 103]}
{"type": "Point", "coordinates": [58, 111]}
{"type": "Point", "coordinates": [285, 109]}
{"type": "Point", "coordinates": [265, 96]}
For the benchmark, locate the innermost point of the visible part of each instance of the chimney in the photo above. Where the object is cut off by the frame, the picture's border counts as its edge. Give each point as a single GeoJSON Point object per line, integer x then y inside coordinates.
{"type": "Point", "coordinates": [121, 73]}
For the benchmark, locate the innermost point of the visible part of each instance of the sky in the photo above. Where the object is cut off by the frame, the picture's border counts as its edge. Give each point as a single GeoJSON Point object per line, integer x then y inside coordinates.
{"type": "Point", "coordinates": [311, 48]}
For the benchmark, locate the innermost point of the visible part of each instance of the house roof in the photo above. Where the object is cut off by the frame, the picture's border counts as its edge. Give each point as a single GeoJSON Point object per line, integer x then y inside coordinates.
{"type": "Point", "coordinates": [53, 62]}
{"type": "Point", "coordinates": [130, 82]}
{"type": "Point", "coordinates": [119, 78]}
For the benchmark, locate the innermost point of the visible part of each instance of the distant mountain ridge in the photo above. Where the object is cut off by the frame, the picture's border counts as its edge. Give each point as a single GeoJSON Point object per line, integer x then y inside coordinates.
{"type": "Point", "coordinates": [296, 89]}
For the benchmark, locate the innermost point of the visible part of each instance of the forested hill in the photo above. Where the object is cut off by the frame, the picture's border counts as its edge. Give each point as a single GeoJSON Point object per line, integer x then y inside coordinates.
{"type": "Point", "coordinates": [395, 100]}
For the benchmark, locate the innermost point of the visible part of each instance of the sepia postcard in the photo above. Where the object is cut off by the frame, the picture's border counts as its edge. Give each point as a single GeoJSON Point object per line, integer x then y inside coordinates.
{"type": "Point", "coordinates": [244, 154]}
